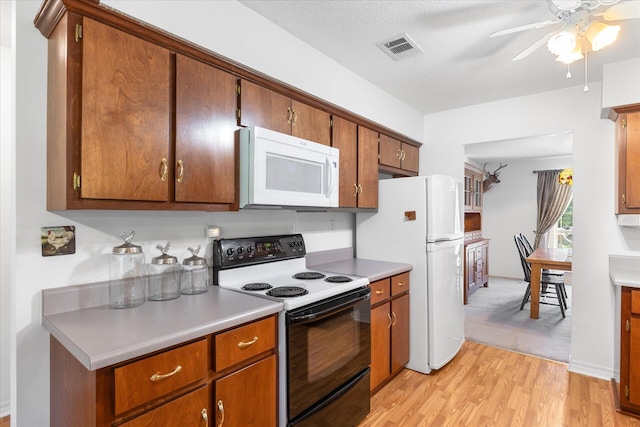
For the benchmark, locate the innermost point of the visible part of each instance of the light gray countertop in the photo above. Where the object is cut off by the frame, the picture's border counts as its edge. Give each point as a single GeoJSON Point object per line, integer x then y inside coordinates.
{"type": "Point", "coordinates": [372, 269]}
{"type": "Point", "coordinates": [624, 270]}
{"type": "Point", "coordinates": [102, 336]}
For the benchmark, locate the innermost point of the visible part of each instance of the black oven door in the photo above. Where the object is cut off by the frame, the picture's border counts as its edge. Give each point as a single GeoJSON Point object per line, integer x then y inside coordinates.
{"type": "Point", "coordinates": [328, 345]}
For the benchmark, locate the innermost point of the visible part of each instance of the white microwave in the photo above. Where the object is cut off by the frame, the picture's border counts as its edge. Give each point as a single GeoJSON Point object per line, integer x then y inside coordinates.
{"type": "Point", "coordinates": [279, 170]}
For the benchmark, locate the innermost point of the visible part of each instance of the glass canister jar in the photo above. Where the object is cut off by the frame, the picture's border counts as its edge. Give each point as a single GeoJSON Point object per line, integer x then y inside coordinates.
{"type": "Point", "coordinates": [127, 278]}
{"type": "Point", "coordinates": [164, 276]}
{"type": "Point", "coordinates": [195, 274]}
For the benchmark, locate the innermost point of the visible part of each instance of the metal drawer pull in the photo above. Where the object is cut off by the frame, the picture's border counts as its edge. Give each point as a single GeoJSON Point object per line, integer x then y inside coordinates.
{"type": "Point", "coordinates": [221, 408]}
{"type": "Point", "coordinates": [158, 377]}
{"type": "Point", "coordinates": [400, 283]}
{"type": "Point", "coordinates": [243, 344]}
{"type": "Point", "coordinates": [165, 169]}
{"type": "Point", "coordinates": [380, 292]}
{"type": "Point", "coordinates": [205, 417]}
{"type": "Point", "coordinates": [180, 171]}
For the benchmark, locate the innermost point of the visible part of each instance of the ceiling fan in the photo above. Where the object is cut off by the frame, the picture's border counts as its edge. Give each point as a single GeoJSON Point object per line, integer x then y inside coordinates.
{"type": "Point", "coordinates": [579, 27]}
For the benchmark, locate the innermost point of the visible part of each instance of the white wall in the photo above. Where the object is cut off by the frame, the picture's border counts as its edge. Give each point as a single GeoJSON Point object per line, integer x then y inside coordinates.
{"type": "Point", "coordinates": [510, 207]}
{"type": "Point", "coordinates": [226, 27]}
{"type": "Point", "coordinates": [596, 234]}
{"type": "Point", "coordinates": [7, 222]}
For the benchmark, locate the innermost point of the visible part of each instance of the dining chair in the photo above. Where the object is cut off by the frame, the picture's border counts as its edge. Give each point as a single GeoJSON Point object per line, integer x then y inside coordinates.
{"type": "Point", "coordinates": [529, 250]}
{"type": "Point", "coordinates": [546, 280]}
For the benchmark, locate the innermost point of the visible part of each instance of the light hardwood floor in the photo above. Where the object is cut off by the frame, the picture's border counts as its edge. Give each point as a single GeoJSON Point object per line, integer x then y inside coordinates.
{"type": "Point", "coordinates": [486, 386]}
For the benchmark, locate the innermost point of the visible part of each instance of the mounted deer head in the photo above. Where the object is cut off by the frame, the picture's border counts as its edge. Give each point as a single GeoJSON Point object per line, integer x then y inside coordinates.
{"type": "Point", "coordinates": [490, 178]}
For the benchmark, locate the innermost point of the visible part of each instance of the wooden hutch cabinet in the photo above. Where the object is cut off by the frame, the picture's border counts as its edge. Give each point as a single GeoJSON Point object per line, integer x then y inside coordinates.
{"type": "Point", "coordinates": [476, 248]}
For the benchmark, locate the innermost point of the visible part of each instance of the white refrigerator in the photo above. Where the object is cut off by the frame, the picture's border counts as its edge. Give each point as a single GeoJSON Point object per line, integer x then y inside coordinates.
{"type": "Point", "coordinates": [419, 221]}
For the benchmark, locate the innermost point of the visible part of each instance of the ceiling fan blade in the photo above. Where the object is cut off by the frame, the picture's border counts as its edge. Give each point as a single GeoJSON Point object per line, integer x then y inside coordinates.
{"type": "Point", "coordinates": [625, 10]}
{"type": "Point", "coordinates": [525, 27]}
{"type": "Point", "coordinates": [528, 51]}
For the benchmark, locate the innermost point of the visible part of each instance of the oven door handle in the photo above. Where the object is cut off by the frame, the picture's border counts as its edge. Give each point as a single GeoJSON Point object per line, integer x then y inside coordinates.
{"type": "Point", "coordinates": [327, 312]}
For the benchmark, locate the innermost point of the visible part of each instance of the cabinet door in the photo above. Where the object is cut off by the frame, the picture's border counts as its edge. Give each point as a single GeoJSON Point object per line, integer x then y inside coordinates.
{"type": "Point", "coordinates": [189, 410]}
{"type": "Point", "coordinates": [485, 263]}
{"type": "Point", "coordinates": [125, 116]}
{"type": "Point", "coordinates": [468, 190]}
{"type": "Point", "coordinates": [632, 170]}
{"type": "Point", "coordinates": [310, 123]}
{"type": "Point", "coordinates": [477, 192]}
{"type": "Point", "coordinates": [471, 268]}
{"type": "Point", "coordinates": [345, 138]}
{"type": "Point", "coordinates": [247, 397]}
{"type": "Point", "coordinates": [380, 344]}
{"type": "Point", "coordinates": [367, 168]}
{"type": "Point", "coordinates": [399, 333]}
{"type": "Point", "coordinates": [265, 108]}
{"type": "Point", "coordinates": [205, 123]}
{"type": "Point", "coordinates": [390, 151]}
{"type": "Point", "coordinates": [634, 361]}
{"type": "Point", "coordinates": [410, 158]}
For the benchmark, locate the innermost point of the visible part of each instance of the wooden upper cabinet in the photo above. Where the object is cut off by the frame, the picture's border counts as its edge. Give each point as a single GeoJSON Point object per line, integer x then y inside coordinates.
{"type": "Point", "coordinates": [367, 168]}
{"type": "Point", "coordinates": [628, 159]}
{"type": "Point", "coordinates": [205, 125]}
{"type": "Point", "coordinates": [398, 155]}
{"type": "Point", "coordinates": [262, 107]}
{"type": "Point", "coordinates": [345, 139]}
{"type": "Point", "coordinates": [125, 116]}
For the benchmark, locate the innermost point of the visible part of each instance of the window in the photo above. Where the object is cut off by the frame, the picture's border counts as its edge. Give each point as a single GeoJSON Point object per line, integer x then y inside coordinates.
{"type": "Point", "coordinates": [561, 235]}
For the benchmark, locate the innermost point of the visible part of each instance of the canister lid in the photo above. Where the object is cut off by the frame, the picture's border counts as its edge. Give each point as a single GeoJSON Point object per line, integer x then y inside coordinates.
{"type": "Point", "coordinates": [127, 247]}
{"type": "Point", "coordinates": [194, 259]}
{"type": "Point", "coordinates": [165, 258]}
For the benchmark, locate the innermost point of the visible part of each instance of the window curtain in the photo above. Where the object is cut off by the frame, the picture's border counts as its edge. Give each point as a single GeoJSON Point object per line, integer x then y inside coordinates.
{"type": "Point", "coordinates": [553, 199]}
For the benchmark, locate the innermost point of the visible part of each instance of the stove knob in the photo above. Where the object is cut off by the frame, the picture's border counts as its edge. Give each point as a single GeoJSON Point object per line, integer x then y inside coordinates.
{"type": "Point", "coordinates": [240, 250]}
{"type": "Point", "coordinates": [249, 249]}
{"type": "Point", "coordinates": [230, 251]}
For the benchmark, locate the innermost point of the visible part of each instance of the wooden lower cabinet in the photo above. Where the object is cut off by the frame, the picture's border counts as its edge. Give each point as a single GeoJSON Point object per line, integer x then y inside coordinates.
{"type": "Point", "coordinates": [476, 266]}
{"type": "Point", "coordinates": [246, 397]}
{"type": "Point", "coordinates": [389, 328]}
{"type": "Point", "coordinates": [185, 385]}
{"type": "Point", "coordinates": [629, 386]}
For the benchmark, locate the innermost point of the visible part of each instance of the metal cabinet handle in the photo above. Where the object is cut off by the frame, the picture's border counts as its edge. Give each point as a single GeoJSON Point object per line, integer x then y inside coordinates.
{"type": "Point", "coordinates": [221, 408]}
{"type": "Point", "coordinates": [180, 171]}
{"type": "Point", "coordinates": [402, 154]}
{"type": "Point", "coordinates": [395, 319]}
{"type": "Point", "coordinates": [400, 284]}
{"type": "Point", "coordinates": [243, 344]}
{"type": "Point", "coordinates": [399, 154]}
{"type": "Point", "coordinates": [360, 189]}
{"type": "Point", "coordinates": [380, 292]}
{"type": "Point", "coordinates": [295, 117]}
{"type": "Point", "coordinates": [165, 169]}
{"type": "Point", "coordinates": [158, 376]}
{"type": "Point", "coordinates": [389, 317]}
{"type": "Point", "coordinates": [289, 115]}
{"type": "Point", "coordinates": [205, 417]}
{"type": "Point", "coordinates": [356, 187]}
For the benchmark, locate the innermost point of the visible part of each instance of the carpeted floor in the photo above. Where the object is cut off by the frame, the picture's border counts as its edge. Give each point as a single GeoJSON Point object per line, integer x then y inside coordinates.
{"type": "Point", "coordinates": [493, 317]}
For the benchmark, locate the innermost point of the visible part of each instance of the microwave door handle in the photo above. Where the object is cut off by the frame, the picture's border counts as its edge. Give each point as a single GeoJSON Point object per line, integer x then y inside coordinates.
{"type": "Point", "coordinates": [329, 177]}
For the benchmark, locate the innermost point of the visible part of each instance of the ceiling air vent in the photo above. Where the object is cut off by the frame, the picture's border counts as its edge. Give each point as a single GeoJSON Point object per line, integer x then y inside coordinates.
{"type": "Point", "coordinates": [400, 47]}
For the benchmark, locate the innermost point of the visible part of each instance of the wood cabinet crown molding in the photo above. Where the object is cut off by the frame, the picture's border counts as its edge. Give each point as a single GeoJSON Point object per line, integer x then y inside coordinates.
{"type": "Point", "coordinates": [52, 12]}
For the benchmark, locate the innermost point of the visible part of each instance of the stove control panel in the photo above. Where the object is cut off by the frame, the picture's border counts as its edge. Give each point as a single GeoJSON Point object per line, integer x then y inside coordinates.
{"type": "Point", "coordinates": [229, 253]}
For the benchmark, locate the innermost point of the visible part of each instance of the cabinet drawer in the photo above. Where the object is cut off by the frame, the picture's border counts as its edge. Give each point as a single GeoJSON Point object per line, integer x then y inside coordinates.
{"type": "Point", "coordinates": [244, 342]}
{"type": "Point", "coordinates": [635, 302]}
{"type": "Point", "coordinates": [380, 291]}
{"type": "Point", "coordinates": [400, 283]}
{"type": "Point", "coordinates": [189, 410]}
{"type": "Point", "coordinates": [142, 381]}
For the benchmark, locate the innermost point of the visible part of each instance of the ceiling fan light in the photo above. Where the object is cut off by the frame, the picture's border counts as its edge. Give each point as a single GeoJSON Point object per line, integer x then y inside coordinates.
{"type": "Point", "coordinates": [562, 43]}
{"type": "Point", "coordinates": [601, 35]}
{"type": "Point", "coordinates": [571, 57]}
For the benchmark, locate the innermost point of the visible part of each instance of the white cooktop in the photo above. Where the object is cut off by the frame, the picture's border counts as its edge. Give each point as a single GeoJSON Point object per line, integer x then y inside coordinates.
{"type": "Point", "coordinates": [279, 273]}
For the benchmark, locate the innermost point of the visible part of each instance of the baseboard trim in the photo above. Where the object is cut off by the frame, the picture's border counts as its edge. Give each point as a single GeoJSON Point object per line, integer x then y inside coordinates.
{"type": "Point", "coordinates": [590, 370]}
{"type": "Point", "coordinates": [5, 409]}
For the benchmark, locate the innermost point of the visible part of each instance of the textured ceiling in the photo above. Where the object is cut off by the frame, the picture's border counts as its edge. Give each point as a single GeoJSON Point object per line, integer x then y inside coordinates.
{"type": "Point", "coordinates": [461, 65]}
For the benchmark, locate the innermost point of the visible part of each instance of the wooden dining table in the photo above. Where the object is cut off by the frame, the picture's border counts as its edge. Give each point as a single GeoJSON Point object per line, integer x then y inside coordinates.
{"type": "Point", "coordinates": [541, 258]}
